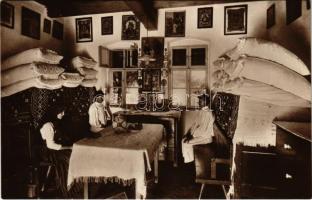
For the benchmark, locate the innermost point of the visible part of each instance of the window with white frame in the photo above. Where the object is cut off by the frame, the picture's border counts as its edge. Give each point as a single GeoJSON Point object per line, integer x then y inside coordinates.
{"type": "Point", "coordinates": [189, 70]}
{"type": "Point", "coordinates": [124, 76]}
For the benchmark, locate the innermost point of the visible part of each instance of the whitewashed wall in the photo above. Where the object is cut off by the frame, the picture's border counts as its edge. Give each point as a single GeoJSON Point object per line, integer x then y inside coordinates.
{"type": "Point", "coordinates": [217, 40]}
{"type": "Point", "coordinates": [12, 41]}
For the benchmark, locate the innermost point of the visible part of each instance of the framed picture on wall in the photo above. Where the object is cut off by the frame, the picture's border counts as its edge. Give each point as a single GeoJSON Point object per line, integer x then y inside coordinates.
{"type": "Point", "coordinates": [154, 47]}
{"type": "Point", "coordinates": [204, 17]}
{"type": "Point", "coordinates": [130, 28]}
{"type": "Point", "coordinates": [84, 29]}
{"type": "Point", "coordinates": [175, 24]}
{"type": "Point", "coordinates": [47, 26]}
{"type": "Point", "coordinates": [107, 25]}
{"type": "Point", "coordinates": [235, 20]}
{"type": "Point", "coordinates": [293, 10]}
{"type": "Point", "coordinates": [271, 16]}
{"type": "Point", "coordinates": [57, 31]}
{"type": "Point", "coordinates": [7, 15]}
{"type": "Point", "coordinates": [30, 23]}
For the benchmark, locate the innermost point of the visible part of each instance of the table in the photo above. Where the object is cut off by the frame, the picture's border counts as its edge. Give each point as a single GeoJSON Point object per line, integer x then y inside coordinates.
{"type": "Point", "coordinates": [156, 117]}
{"type": "Point", "coordinates": [119, 157]}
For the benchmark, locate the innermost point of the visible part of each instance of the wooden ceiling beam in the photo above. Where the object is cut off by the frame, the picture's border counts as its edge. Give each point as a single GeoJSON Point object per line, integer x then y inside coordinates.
{"type": "Point", "coordinates": [145, 12]}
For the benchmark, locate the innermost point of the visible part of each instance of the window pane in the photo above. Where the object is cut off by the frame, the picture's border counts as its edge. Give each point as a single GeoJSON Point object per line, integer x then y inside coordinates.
{"type": "Point", "coordinates": [116, 97]}
{"type": "Point", "coordinates": [131, 58]}
{"type": "Point", "coordinates": [135, 58]}
{"type": "Point", "coordinates": [178, 79]}
{"type": "Point", "coordinates": [132, 79]}
{"type": "Point", "coordinates": [198, 78]}
{"type": "Point", "coordinates": [117, 79]}
{"type": "Point", "coordinates": [132, 95]}
{"type": "Point", "coordinates": [179, 57]}
{"type": "Point", "coordinates": [179, 97]}
{"type": "Point", "coordinates": [117, 59]}
{"type": "Point", "coordinates": [198, 56]}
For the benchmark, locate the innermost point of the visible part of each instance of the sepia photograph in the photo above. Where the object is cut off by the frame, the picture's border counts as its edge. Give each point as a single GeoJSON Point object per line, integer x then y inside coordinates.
{"type": "Point", "coordinates": [57, 31]}
{"type": "Point", "coordinates": [235, 20]}
{"type": "Point", "coordinates": [30, 23]}
{"type": "Point", "coordinates": [107, 25]}
{"type": "Point", "coordinates": [271, 16]}
{"type": "Point", "coordinates": [130, 28]}
{"type": "Point", "coordinates": [156, 99]}
{"type": "Point", "coordinates": [175, 24]}
{"type": "Point", "coordinates": [47, 26]}
{"type": "Point", "coordinates": [7, 14]}
{"type": "Point", "coordinates": [84, 29]}
{"type": "Point", "coordinates": [205, 17]}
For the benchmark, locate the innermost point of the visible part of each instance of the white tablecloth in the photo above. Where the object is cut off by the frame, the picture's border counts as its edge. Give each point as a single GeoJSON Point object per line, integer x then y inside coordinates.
{"type": "Point", "coordinates": [119, 157]}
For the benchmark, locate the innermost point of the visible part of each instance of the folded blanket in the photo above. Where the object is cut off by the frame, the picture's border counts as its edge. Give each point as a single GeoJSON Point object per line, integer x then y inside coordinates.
{"type": "Point", "coordinates": [31, 70]}
{"type": "Point", "coordinates": [88, 82]}
{"type": "Point", "coordinates": [80, 61]}
{"type": "Point", "coordinates": [87, 72]}
{"type": "Point", "coordinates": [259, 91]}
{"type": "Point", "coordinates": [71, 79]}
{"type": "Point", "coordinates": [268, 50]}
{"type": "Point", "coordinates": [31, 55]}
{"type": "Point", "coordinates": [19, 86]}
{"type": "Point", "coordinates": [51, 84]}
{"type": "Point", "coordinates": [266, 72]}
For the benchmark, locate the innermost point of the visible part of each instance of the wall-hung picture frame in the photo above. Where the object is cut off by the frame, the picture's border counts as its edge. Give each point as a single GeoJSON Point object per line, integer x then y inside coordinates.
{"type": "Point", "coordinates": [30, 23]}
{"type": "Point", "coordinates": [84, 29]}
{"type": "Point", "coordinates": [7, 15]}
{"type": "Point", "coordinates": [57, 31]}
{"type": "Point", "coordinates": [47, 26]}
{"type": "Point", "coordinates": [154, 47]}
{"type": "Point", "coordinates": [175, 24]}
{"type": "Point", "coordinates": [205, 17]}
{"type": "Point", "coordinates": [107, 25]}
{"type": "Point", "coordinates": [293, 10]}
{"type": "Point", "coordinates": [271, 16]}
{"type": "Point", "coordinates": [235, 20]}
{"type": "Point", "coordinates": [130, 28]}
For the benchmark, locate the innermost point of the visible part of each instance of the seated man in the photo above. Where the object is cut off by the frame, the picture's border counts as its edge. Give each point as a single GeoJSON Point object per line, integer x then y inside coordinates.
{"type": "Point", "coordinates": [202, 131]}
{"type": "Point", "coordinates": [98, 114]}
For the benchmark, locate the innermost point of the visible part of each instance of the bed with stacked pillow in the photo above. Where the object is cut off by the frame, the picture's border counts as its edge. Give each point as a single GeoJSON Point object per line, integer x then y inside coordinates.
{"type": "Point", "coordinates": [263, 71]}
{"type": "Point", "coordinates": [40, 68]}
{"type": "Point", "coordinates": [86, 67]}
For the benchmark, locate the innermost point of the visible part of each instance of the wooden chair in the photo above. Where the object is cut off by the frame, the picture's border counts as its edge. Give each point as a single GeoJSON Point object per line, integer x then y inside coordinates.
{"type": "Point", "coordinates": [212, 166]}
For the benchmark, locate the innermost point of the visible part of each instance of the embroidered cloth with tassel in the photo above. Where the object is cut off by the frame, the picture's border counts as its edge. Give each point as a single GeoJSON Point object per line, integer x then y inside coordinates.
{"type": "Point", "coordinates": [116, 157]}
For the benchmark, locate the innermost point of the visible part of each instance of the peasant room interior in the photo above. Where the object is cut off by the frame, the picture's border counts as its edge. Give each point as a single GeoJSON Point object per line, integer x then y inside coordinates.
{"type": "Point", "coordinates": [156, 99]}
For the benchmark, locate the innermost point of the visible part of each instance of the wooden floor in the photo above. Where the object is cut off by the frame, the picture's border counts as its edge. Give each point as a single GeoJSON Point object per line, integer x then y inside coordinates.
{"type": "Point", "coordinates": [174, 183]}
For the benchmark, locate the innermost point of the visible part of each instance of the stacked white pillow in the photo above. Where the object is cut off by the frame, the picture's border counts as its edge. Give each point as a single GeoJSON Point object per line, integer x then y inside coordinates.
{"type": "Point", "coordinates": [71, 79]}
{"type": "Point", "coordinates": [86, 68]}
{"type": "Point", "coordinates": [36, 67]}
{"type": "Point", "coordinates": [264, 71]}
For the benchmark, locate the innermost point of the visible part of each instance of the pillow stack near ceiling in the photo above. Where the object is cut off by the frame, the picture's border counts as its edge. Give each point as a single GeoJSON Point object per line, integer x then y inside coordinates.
{"type": "Point", "coordinates": [263, 71]}
{"type": "Point", "coordinates": [86, 68]}
{"type": "Point", "coordinates": [36, 67]}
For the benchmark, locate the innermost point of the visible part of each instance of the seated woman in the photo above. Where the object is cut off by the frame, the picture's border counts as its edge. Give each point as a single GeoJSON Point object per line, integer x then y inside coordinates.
{"type": "Point", "coordinates": [59, 144]}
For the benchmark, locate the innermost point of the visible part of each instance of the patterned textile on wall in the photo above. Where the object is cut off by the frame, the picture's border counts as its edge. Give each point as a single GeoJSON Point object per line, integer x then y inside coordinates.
{"type": "Point", "coordinates": [226, 107]}
{"type": "Point", "coordinates": [39, 105]}
{"type": "Point", "coordinates": [77, 100]}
